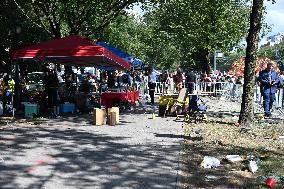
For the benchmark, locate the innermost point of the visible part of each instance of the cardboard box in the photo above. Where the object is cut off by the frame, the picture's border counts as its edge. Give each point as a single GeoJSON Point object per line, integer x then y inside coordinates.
{"type": "Point", "coordinates": [112, 118]}
{"type": "Point", "coordinates": [116, 110]}
{"type": "Point", "coordinates": [99, 116]}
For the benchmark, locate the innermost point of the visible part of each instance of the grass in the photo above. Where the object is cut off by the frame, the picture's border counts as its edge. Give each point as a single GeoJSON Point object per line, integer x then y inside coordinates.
{"type": "Point", "coordinates": [220, 137]}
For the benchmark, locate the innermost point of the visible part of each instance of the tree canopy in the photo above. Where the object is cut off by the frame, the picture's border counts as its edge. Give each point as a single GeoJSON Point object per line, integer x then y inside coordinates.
{"type": "Point", "coordinates": [199, 27]}
{"type": "Point", "coordinates": [168, 34]}
{"type": "Point", "coordinates": [64, 17]}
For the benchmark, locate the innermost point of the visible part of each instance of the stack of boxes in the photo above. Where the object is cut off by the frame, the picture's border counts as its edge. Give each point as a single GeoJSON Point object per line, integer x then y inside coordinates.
{"type": "Point", "coordinates": [102, 117]}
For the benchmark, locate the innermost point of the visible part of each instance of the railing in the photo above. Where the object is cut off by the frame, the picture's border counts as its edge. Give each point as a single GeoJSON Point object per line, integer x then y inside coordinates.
{"type": "Point", "coordinates": [225, 89]}
{"type": "Point", "coordinates": [234, 92]}
{"type": "Point", "coordinates": [229, 91]}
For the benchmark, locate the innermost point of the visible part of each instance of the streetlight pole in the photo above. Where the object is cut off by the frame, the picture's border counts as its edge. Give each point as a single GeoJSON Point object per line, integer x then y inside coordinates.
{"type": "Point", "coordinates": [217, 55]}
{"type": "Point", "coordinates": [214, 66]}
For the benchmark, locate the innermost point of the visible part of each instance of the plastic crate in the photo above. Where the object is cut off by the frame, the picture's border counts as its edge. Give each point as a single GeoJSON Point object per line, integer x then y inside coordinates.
{"type": "Point", "coordinates": [31, 110]}
{"type": "Point", "coordinates": [67, 108]}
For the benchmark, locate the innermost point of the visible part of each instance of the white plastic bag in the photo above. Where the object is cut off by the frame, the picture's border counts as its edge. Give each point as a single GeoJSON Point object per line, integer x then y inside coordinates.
{"type": "Point", "coordinates": [210, 162]}
{"type": "Point", "coordinates": [234, 158]}
{"type": "Point", "coordinates": [253, 166]}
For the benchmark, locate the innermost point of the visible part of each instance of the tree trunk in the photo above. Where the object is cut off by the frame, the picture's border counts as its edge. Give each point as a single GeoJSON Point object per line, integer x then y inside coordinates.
{"type": "Point", "coordinates": [205, 61]}
{"type": "Point", "coordinates": [247, 115]}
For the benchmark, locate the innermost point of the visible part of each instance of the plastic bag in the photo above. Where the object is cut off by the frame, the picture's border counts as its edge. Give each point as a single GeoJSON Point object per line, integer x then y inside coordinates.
{"type": "Point", "coordinates": [210, 162]}
{"type": "Point", "coordinates": [234, 158]}
{"type": "Point", "coordinates": [253, 166]}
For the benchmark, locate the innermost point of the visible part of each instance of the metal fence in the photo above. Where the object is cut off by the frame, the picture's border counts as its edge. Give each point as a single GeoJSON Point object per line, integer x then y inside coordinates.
{"type": "Point", "coordinates": [234, 92]}
{"type": "Point", "coordinates": [229, 91]}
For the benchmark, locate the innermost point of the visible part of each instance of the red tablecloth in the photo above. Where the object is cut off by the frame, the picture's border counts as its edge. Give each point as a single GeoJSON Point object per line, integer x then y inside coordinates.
{"type": "Point", "coordinates": [108, 99]}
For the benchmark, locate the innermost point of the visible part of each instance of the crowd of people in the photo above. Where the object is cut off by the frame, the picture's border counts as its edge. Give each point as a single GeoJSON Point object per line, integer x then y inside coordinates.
{"type": "Point", "coordinates": [57, 87]}
{"type": "Point", "coordinates": [173, 82]}
{"type": "Point", "coordinates": [147, 81]}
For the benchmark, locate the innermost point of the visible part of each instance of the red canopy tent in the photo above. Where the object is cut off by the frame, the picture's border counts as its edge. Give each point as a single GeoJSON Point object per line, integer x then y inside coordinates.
{"type": "Point", "coordinates": [73, 50]}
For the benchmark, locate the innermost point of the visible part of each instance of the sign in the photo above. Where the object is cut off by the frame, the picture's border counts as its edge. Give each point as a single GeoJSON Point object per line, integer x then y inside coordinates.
{"type": "Point", "coordinates": [219, 55]}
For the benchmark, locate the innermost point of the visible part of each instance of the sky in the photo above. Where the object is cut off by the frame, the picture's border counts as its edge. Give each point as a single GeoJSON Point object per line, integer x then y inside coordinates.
{"type": "Point", "coordinates": [275, 16]}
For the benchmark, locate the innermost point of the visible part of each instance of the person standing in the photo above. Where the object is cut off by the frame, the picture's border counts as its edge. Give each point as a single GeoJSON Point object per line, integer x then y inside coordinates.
{"type": "Point", "coordinates": [281, 89]}
{"type": "Point", "coordinates": [268, 79]}
{"type": "Point", "coordinates": [190, 81]}
{"type": "Point", "coordinates": [152, 84]}
{"type": "Point", "coordinates": [164, 77]}
{"type": "Point", "coordinates": [171, 83]}
{"type": "Point", "coordinates": [178, 79]}
{"type": "Point", "coordinates": [51, 84]}
{"type": "Point", "coordinates": [111, 79]}
{"type": "Point", "coordinates": [281, 79]}
{"type": "Point", "coordinates": [207, 83]}
{"type": "Point", "coordinates": [168, 83]}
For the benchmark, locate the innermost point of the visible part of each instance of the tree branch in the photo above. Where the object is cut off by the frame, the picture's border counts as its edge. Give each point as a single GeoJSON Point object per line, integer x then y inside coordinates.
{"type": "Point", "coordinates": [29, 18]}
{"type": "Point", "coordinates": [115, 12]}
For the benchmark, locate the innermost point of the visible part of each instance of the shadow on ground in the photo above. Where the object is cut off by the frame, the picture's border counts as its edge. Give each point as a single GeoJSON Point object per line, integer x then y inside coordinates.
{"type": "Point", "coordinates": [52, 157]}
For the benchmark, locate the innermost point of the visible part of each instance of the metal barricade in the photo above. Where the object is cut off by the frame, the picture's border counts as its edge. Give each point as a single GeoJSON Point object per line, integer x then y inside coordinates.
{"type": "Point", "coordinates": [225, 89]}
{"type": "Point", "coordinates": [233, 92]}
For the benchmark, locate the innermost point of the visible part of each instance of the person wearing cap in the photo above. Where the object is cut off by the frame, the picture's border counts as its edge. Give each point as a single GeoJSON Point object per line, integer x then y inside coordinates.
{"type": "Point", "coordinates": [268, 79]}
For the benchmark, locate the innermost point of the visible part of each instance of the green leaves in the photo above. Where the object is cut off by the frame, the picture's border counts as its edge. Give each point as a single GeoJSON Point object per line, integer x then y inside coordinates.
{"type": "Point", "coordinates": [200, 26]}
{"type": "Point", "coordinates": [171, 33]}
{"type": "Point", "coordinates": [62, 17]}
{"type": "Point", "coordinates": [275, 52]}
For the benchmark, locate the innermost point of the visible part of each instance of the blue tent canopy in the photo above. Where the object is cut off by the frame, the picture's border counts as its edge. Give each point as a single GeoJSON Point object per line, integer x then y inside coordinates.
{"type": "Point", "coordinates": [129, 58]}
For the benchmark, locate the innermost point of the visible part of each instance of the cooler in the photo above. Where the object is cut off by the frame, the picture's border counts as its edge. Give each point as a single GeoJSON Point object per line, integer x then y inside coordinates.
{"type": "Point", "coordinates": [31, 110]}
{"type": "Point", "coordinates": [67, 108]}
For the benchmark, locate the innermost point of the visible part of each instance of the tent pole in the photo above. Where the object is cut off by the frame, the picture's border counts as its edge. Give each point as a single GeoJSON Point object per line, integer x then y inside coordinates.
{"type": "Point", "coordinates": [17, 86]}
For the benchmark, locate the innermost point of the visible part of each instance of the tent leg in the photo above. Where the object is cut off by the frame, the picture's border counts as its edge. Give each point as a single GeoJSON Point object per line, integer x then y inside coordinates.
{"type": "Point", "coordinates": [17, 86]}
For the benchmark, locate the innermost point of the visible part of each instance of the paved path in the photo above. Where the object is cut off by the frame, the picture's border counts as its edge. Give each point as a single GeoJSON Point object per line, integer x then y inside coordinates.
{"type": "Point", "coordinates": [71, 153]}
